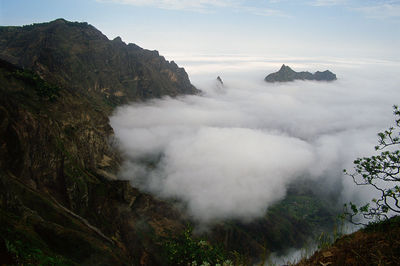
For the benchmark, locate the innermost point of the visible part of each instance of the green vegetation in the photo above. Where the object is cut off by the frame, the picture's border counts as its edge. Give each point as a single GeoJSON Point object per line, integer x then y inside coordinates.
{"type": "Point", "coordinates": [187, 250]}
{"type": "Point", "coordinates": [380, 172]}
{"type": "Point", "coordinates": [383, 226]}
{"type": "Point", "coordinates": [42, 88]}
{"type": "Point", "coordinates": [298, 218]}
{"type": "Point", "coordinates": [296, 221]}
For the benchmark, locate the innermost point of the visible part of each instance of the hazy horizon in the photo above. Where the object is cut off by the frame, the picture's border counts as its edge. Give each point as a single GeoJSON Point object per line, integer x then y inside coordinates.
{"type": "Point", "coordinates": [306, 28]}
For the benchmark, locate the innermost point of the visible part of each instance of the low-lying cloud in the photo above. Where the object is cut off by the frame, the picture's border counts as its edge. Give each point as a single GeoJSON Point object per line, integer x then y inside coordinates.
{"type": "Point", "coordinates": [232, 152]}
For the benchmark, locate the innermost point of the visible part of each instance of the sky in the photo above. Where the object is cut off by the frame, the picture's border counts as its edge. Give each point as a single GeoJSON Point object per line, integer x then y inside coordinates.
{"type": "Point", "coordinates": [338, 28]}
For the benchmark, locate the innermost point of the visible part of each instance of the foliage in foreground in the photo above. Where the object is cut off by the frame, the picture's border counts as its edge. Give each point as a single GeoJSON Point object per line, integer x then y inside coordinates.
{"type": "Point", "coordinates": [186, 250]}
{"type": "Point", "coordinates": [382, 173]}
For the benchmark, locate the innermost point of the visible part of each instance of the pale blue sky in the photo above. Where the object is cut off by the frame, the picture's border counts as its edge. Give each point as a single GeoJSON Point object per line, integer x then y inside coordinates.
{"type": "Point", "coordinates": [328, 28]}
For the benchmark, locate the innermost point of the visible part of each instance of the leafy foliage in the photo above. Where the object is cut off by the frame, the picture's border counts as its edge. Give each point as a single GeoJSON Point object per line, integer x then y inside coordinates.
{"type": "Point", "coordinates": [186, 250]}
{"type": "Point", "coordinates": [382, 173]}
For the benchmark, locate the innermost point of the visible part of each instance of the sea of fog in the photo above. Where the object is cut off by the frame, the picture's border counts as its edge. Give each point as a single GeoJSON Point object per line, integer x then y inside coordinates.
{"type": "Point", "coordinates": [232, 151]}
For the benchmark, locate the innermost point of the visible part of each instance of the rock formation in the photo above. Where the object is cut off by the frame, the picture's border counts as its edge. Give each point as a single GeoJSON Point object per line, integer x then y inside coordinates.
{"type": "Point", "coordinates": [219, 80]}
{"type": "Point", "coordinates": [287, 74]}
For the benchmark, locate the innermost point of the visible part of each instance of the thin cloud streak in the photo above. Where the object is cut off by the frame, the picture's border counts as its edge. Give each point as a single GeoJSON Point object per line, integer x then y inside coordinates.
{"type": "Point", "coordinates": [266, 12]}
{"type": "Point", "coordinates": [191, 5]}
{"type": "Point", "coordinates": [382, 11]}
{"type": "Point", "coordinates": [371, 9]}
{"type": "Point", "coordinates": [203, 6]}
{"type": "Point", "coordinates": [329, 2]}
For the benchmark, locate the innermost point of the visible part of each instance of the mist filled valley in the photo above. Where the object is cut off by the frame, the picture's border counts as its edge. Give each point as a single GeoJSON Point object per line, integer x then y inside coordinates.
{"type": "Point", "coordinates": [184, 132]}
{"type": "Point", "coordinates": [246, 150]}
{"type": "Point", "coordinates": [232, 151]}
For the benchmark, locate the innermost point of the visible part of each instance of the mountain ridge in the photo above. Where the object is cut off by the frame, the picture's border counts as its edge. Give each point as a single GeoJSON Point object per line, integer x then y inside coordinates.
{"type": "Point", "coordinates": [78, 56]}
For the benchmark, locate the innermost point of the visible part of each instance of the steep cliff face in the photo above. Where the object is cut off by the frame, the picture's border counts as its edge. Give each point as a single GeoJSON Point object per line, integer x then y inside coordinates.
{"type": "Point", "coordinates": [78, 56]}
{"type": "Point", "coordinates": [57, 179]}
{"type": "Point", "coordinates": [58, 187]}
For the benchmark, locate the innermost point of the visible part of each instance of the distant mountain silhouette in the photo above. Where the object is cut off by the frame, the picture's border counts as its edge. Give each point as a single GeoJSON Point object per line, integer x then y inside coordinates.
{"type": "Point", "coordinates": [287, 74]}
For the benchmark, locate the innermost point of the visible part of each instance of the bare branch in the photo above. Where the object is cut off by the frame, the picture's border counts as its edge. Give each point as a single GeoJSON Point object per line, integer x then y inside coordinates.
{"type": "Point", "coordinates": [372, 171]}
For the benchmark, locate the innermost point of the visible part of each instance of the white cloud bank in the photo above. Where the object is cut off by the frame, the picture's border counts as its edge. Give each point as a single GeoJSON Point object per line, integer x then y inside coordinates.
{"type": "Point", "coordinates": [232, 153]}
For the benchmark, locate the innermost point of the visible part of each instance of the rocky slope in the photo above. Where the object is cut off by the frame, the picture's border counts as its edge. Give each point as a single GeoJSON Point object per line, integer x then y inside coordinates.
{"type": "Point", "coordinates": [59, 194]}
{"type": "Point", "coordinates": [57, 179]}
{"type": "Point", "coordinates": [287, 74]}
{"type": "Point", "coordinates": [377, 244]}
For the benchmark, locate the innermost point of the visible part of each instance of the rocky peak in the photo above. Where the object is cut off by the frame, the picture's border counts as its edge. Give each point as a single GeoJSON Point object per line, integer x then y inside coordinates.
{"type": "Point", "coordinates": [59, 20]}
{"type": "Point", "coordinates": [285, 68]}
{"type": "Point", "coordinates": [118, 39]}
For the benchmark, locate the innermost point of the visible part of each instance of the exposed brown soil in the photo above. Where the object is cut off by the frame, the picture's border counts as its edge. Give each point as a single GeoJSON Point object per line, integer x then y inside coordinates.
{"type": "Point", "coordinates": [378, 244]}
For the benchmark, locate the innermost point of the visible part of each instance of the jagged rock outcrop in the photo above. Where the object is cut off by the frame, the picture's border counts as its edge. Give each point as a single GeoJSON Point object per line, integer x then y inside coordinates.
{"type": "Point", "coordinates": [219, 80]}
{"type": "Point", "coordinates": [287, 74]}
